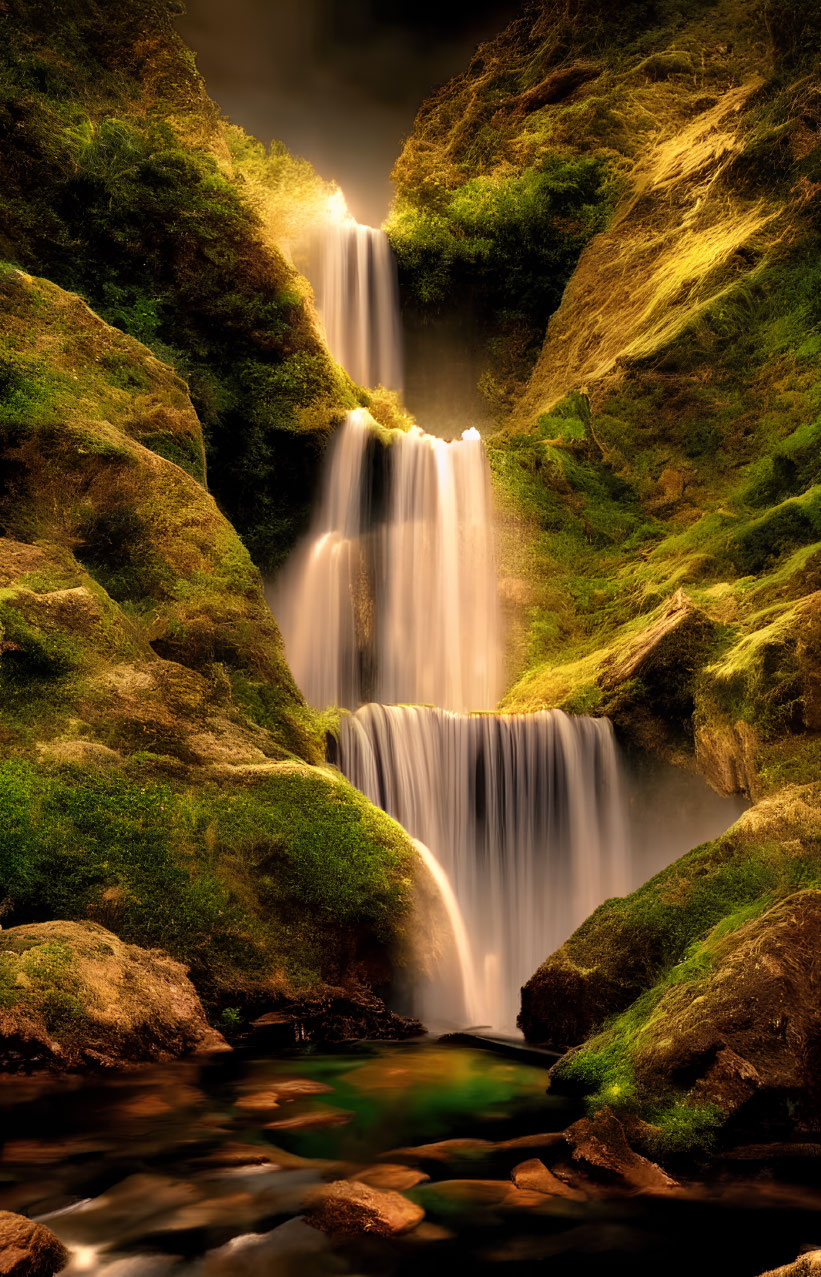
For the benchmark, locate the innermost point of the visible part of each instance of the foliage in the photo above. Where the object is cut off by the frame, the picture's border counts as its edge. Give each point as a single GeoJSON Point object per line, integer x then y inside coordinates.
{"type": "Point", "coordinates": [507, 242]}
{"type": "Point", "coordinates": [112, 202]}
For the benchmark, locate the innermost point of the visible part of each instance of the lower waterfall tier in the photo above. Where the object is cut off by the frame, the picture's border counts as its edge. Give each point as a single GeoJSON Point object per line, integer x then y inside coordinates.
{"type": "Point", "coordinates": [525, 814]}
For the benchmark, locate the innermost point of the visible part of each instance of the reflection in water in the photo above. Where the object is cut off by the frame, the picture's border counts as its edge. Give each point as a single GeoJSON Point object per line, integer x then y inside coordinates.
{"type": "Point", "coordinates": [201, 1170]}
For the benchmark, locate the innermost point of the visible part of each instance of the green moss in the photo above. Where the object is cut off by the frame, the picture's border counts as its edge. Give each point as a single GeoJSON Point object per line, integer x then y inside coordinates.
{"type": "Point", "coordinates": [288, 875]}
{"type": "Point", "coordinates": [113, 201]}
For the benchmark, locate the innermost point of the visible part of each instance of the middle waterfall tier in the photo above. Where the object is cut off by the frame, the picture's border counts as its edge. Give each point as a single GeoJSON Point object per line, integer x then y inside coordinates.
{"type": "Point", "coordinates": [393, 595]}
{"type": "Point", "coordinates": [525, 814]}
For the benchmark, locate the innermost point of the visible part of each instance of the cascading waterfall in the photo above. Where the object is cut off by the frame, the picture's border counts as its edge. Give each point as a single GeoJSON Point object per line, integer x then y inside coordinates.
{"type": "Point", "coordinates": [524, 813]}
{"type": "Point", "coordinates": [392, 598]}
{"type": "Point", "coordinates": [357, 295]}
{"type": "Point", "coordinates": [393, 595]}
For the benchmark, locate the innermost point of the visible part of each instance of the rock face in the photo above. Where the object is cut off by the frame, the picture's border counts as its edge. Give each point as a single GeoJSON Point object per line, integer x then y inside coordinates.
{"type": "Point", "coordinates": [346, 1208]}
{"type": "Point", "coordinates": [751, 1028]}
{"type": "Point", "coordinates": [28, 1249]}
{"type": "Point", "coordinates": [74, 996]}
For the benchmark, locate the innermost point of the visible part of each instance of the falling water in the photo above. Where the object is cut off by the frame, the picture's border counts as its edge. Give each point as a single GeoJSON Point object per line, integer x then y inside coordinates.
{"type": "Point", "coordinates": [358, 299]}
{"type": "Point", "coordinates": [525, 815]}
{"type": "Point", "coordinates": [393, 595]}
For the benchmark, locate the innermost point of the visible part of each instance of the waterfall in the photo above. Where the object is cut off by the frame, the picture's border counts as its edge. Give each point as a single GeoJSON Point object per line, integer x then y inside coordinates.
{"type": "Point", "coordinates": [357, 295]}
{"type": "Point", "coordinates": [525, 815]}
{"type": "Point", "coordinates": [393, 595]}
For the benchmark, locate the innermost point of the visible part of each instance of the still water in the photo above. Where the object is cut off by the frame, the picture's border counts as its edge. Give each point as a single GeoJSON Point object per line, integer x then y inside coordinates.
{"type": "Point", "coordinates": [199, 1169]}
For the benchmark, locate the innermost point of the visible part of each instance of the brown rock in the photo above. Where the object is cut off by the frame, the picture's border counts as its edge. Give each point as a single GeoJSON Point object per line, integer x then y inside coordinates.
{"type": "Point", "coordinates": [808, 1265]}
{"type": "Point", "coordinates": [442, 1151]}
{"type": "Point", "coordinates": [753, 1023]}
{"type": "Point", "coordinates": [347, 1208]}
{"type": "Point", "coordinates": [28, 1249]}
{"type": "Point", "coordinates": [398, 1178]}
{"type": "Point", "coordinates": [600, 1146]}
{"type": "Point", "coordinates": [137, 1004]}
{"type": "Point", "coordinates": [535, 1176]}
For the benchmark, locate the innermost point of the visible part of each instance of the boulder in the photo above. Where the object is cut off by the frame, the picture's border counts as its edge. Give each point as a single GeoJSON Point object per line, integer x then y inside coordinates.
{"type": "Point", "coordinates": [28, 1249]}
{"type": "Point", "coordinates": [750, 1027]}
{"type": "Point", "coordinates": [398, 1178]}
{"type": "Point", "coordinates": [600, 1147]}
{"type": "Point", "coordinates": [535, 1176]}
{"type": "Point", "coordinates": [623, 948]}
{"type": "Point", "coordinates": [77, 997]}
{"type": "Point", "coordinates": [667, 652]}
{"type": "Point", "coordinates": [346, 1208]}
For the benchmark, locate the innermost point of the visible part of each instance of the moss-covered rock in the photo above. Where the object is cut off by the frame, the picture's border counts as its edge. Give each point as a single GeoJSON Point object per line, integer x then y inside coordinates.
{"type": "Point", "coordinates": [73, 996]}
{"type": "Point", "coordinates": [122, 184]}
{"type": "Point", "coordinates": [154, 750]}
{"type": "Point", "coordinates": [634, 945]}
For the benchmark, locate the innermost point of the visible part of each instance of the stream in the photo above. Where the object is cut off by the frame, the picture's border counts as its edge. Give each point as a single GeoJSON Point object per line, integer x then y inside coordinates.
{"type": "Point", "coordinates": [199, 1169]}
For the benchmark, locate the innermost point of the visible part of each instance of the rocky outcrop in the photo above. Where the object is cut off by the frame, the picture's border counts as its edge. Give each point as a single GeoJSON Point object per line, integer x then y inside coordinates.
{"type": "Point", "coordinates": [28, 1249]}
{"type": "Point", "coordinates": [626, 945]}
{"type": "Point", "coordinates": [750, 1029]}
{"type": "Point", "coordinates": [600, 1147]}
{"type": "Point", "coordinates": [76, 997]}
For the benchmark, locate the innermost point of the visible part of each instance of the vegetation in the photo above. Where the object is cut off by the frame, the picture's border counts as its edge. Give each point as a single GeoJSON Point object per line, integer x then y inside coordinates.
{"type": "Point", "coordinates": [112, 187]}
{"type": "Point", "coordinates": [288, 879]}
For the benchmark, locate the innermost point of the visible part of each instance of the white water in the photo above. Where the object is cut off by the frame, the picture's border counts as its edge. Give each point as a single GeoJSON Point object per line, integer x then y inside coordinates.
{"type": "Point", "coordinates": [357, 295]}
{"type": "Point", "coordinates": [393, 595]}
{"type": "Point", "coordinates": [526, 816]}
{"type": "Point", "coordinates": [392, 598]}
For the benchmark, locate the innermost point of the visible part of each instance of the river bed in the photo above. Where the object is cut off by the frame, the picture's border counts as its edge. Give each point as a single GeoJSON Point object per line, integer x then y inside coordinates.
{"type": "Point", "coordinates": [200, 1168]}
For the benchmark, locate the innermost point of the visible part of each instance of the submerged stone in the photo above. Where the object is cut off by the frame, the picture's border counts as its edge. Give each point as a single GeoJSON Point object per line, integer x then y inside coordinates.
{"type": "Point", "coordinates": [28, 1249]}
{"type": "Point", "coordinates": [346, 1208]}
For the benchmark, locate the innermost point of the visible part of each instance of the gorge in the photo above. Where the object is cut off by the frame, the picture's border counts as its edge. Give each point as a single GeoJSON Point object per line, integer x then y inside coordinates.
{"type": "Point", "coordinates": [410, 644]}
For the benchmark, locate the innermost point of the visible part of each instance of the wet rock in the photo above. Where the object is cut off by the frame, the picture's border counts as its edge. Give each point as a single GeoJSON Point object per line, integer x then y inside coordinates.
{"type": "Point", "coordinates": [317, 1120]}
{"type": "Point", "coordinates": [346, 1208]}
{"type": "Point", "coordinates": [28, 1249]}
{"type": "Point", "coordinates": [444, 1151]}
{"type": "Point", "coordinates": [600, 1147]}
{"type": "Point", "coordinates": [334, 1015]}
{"type": "Point", "coordinates": [118, 1003]}
{"type": "Point", "coordinates": [281, 1093]}
{"type": "Point", "coordinates": [398, 1178]}
{"type": "Point", "coordinates": [535, 1176]}
{"type": "Point", "coordinates": [807, 1265]}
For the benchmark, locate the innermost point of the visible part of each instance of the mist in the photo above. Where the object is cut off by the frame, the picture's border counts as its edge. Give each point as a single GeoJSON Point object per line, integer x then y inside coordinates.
{"type": "Point", "coordinates": [338, 81]}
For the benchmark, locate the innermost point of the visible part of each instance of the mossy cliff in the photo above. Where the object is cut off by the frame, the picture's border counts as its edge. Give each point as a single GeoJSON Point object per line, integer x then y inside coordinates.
{"type": "Point", "coordinates": [119, 181]}
{"type": "Point", "coordinates": [657, 444]}
{"type": "Point", "coordinates": [158, 767]}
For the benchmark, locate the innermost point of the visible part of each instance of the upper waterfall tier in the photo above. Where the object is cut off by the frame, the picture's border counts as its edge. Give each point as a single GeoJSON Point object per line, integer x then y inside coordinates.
{"type": "Point", "coordinates": [357, 294]}
{"type": "Point", "coordinates": [393, 595]}
{"type": "Point", "coordinates": [525, 814]}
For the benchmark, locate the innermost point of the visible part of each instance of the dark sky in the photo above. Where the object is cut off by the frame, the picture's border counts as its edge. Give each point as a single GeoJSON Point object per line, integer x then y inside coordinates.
{"type": "Point", "coordinates": [338, 81]}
